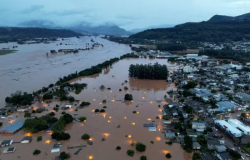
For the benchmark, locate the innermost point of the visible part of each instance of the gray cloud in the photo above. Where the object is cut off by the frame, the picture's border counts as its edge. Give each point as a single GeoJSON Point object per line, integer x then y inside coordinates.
{"type": "Point", "coordinates": [128, 14]}
{"type": "Point", "coordinates": [32, 9]}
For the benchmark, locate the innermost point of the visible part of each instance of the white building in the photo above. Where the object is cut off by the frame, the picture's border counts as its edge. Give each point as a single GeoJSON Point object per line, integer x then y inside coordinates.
{"type": "Point", "coordinates": [188, 69]}
{"type": "Point", "coordinates": [231, 130]}
{"type": "Point", "coordinates": [68, 106]}
{"type": "Point", "coordinates": [26, 139]}
{"type": "Point", "coordinates": [198, 126]}
{"type": "Point", "coordinates": [236, 123]}
{"type": "Point", "coordinates": [192, 55]}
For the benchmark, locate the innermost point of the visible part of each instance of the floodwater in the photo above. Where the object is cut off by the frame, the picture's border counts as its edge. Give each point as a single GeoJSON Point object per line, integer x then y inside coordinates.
{"type": "Point", "coordinates": [105, 125]}
{"type": "Point", "coordinates": [29, 69]}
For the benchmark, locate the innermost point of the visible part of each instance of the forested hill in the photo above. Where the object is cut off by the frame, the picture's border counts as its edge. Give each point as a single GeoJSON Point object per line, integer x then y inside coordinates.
{"type": "Point", "coordinates": [203, 31]}
{"type": "Point", "coordinates": [16, 33]}
{"type": "Point", "coordinates": [219, 18]}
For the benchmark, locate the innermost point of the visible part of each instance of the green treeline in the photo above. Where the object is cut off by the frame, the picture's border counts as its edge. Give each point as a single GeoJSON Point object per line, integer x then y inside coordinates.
{"type": "Point", "coordinates": [227, 54]}
{"type": "Point", "coordinates": [89, 71]}
{"type": "Point", "coordinates": [38, 124]}
{"type": "Point", "coordinates": [60, 124]}
{"type": "Point", "coordinates": [148, 71]}
{"type": "Point", "coordinates": [20, 98]}
{"type": "Point", "coordinates": [129, 55]}
{"type": "Point", "coordinates": [171, 47]}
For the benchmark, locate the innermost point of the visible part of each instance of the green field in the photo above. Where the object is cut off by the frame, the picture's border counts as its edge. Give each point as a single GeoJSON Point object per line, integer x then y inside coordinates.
{"type": "Point", "coordinates": [5, 51]}
{"type": "Point", "coordinates": [247, 149]}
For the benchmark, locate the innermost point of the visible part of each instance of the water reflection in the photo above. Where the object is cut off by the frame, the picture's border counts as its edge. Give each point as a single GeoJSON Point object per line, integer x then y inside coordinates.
{"type": "Point", "coordinates": [156, 85]}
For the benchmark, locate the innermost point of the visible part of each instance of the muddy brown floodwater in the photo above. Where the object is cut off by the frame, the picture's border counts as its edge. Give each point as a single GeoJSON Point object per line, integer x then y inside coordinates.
{"type": "Point", "coordinates": [105, 125]}
{"type": "Point", "coordinates": [29, 69]}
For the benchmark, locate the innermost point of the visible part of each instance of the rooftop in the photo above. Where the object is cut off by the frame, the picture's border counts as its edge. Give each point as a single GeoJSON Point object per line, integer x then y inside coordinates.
{"type": "Point", "coordinates": [213, 142]}
{"type": "Point", "coordinates": [226, 104]}
{"type": "Point", "coordinates": [29, 138]}
{"type": "Point", "coordinates": [13, 127]}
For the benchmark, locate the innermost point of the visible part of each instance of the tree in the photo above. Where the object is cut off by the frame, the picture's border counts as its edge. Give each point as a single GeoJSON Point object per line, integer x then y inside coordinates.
{"type": "Point", "coordinates": [234, 154]}
{"type": "Point", "coordinates": [36, 152]}
{"type": "Point", "coordinates": [140, 147]}
{"type": "Point", "coordinates": [39, 138]}
{"type": "Point", "coordinates": [48, 96]}
{"type": "Point", "coordinates": [97, 110]}
{"type": "Point", "coordinates": [60, 136]}
{"type": "Point", "coordinates": [190, 84]}
{"type": "Point", "coordinates": [68, 118]}
{"type": "Point", "coordinates": [84, 104]}
{"type": "Point", "coordinates": [102, 110]}
{"type": "Point", "coordinates": [20, 98]}
{"type": "Point", "coordinates": [143, 158]}
{"type": "Point", "coordinates": [128, 97]}
{"type": "Point", "coordinates": [102, 87]}
{"type": "Point", "coordinates": [148, 71]}
{"type": "Point", "coordinates": [71, 99]}
{"type": "Point", "coordinates": [188, 142]}
{"type": "Point", "coordinates": [85, 136]}
{"type": "Point", "coordinates": [196, 156]}
{"type": "Point", "coordinates": [168, 155]}
{"type": "Point", "coordinates": [118, 148]}
{"type": "Point", "coordinates": [27, 114]}
{"type": "Point", "coordinates": [130, 152]}
{"type": "Point", "coordinates": [82, 119]}
{"type": "Point", "coordinates": [64, 155]}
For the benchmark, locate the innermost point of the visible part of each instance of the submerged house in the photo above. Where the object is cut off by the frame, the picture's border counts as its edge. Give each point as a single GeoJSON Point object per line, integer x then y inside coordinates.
{"type": "Point", "coordinates": [9, 150]}
{"type": "Point", "coordinates": [6, 143]}
{"type": "Point", "coordinates": [26, 139]}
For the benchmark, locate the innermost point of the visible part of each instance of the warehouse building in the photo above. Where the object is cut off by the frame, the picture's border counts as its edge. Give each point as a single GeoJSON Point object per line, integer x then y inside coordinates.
{"type": "Point", "coordinates": [12, 127]}
{"type": "Point", "coordinates": [239, 125]}
{"type": "Point", "coordinates": [226, 106]}
{"type": "Point", "coordinates": [228, 128]}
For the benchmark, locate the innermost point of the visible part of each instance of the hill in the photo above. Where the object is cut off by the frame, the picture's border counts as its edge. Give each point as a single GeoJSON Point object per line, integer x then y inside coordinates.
{"type": "Point", "coordinates": [219, 18]}
{"type": "Point", "coordinates": [204, 31]}
{"type": "Point", "coordinates": [17, 33]}
{"type": "Point", "coordinates": [100, 29]}
{"type": "Point", "coordinates": [81, 27]}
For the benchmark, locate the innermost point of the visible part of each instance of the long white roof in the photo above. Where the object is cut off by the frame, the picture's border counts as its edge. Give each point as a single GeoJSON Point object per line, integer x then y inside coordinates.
{"type": "Point", "coordinates": [229, 127]}
{"type": "Point", "coordinates": [237, 123]}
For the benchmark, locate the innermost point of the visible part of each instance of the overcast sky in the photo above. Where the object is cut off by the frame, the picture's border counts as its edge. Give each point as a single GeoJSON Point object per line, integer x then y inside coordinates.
{"type": "Point", "coordinates": [128, 14]}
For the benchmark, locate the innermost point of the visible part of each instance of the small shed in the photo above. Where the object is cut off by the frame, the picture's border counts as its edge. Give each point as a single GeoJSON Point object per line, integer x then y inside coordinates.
{"type": "Point", "coordinates": [196, 146]}
{"type": "Point", "coordinates": [170, 135]}
{"type": "Point", "coordinates": [6, 143]}
{"type": "Point", "coordinates": [68, 106]}
{"type": "Point", "coordinates": [56, 147]}
{"type": "Point", "coordinates": [9, 150]}
{"type": "Point", "coordinates": [26, 139]}
{"type": "Point", "coordinates": [40, 110]}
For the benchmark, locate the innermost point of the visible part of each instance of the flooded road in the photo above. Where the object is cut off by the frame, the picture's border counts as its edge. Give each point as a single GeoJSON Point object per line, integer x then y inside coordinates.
{"type": "Point", "coordinates": [113, 125]}
{"type": "Point", "coordinates": [29, 69]}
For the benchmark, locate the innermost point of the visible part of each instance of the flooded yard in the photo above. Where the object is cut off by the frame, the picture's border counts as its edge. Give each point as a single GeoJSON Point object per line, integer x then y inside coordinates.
{"type": "Point", "coordinates": [113, 125]}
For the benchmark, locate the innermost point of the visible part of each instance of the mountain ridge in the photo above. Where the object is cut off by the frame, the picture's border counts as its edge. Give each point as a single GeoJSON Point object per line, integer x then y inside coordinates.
{"type": "Point", "coordinates": [81, 27]}
{"type": "Point", "coordinates": [207, 31]}
{"type": "Point", "coordinates": [8, 34]}
{"type": "Point", "coordinates": [219, 18]}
